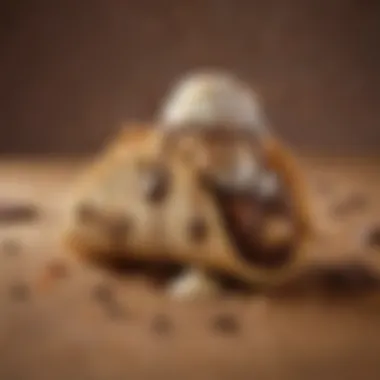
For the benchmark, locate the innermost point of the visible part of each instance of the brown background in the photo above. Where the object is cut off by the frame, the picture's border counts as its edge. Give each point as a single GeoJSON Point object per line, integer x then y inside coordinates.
{"type": "Point", "coordinates": [70, 71]}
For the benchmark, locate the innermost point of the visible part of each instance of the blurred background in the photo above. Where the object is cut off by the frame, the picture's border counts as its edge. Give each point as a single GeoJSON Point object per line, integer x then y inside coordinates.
{"type": "Point", "coordinates": [72, 71]}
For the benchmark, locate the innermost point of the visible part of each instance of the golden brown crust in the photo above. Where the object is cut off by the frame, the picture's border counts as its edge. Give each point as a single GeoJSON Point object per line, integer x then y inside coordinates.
{"type": "Point", "coordinates": [185, 223]}
{"type": "Point", "coordinates": [283, 161]}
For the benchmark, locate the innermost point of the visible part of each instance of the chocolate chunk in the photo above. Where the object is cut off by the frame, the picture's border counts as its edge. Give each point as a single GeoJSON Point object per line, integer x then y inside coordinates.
{"type": "Point", "coordinates": [198, 229]}
{"type": "Point", "coordinates": [17, 212]}
{"type": "Point", "coordinates": [103, 294]}
{"type": "Point", "coordinates": [161, 325]}
{"type": "Point", "coordinates": [244, 219]}
{"type": "Point", "coordinates": [156, 182]}
{"type": "Point", "coordinates": [225, 323]}
{"type": "Point", "coordinates": [57, 270]}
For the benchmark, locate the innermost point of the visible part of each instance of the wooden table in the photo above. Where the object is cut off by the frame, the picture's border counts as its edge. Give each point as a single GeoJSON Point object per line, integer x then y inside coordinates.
{"type": "Point", "coordinates": [92, 325]}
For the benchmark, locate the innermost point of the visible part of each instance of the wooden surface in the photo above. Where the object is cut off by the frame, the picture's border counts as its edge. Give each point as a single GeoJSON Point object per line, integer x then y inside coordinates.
{"type": "Point", "coordinates": [93, 325]}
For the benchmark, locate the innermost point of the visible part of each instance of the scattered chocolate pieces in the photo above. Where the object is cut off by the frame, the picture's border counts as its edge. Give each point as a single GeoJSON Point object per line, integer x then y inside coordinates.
{"type": "Point", "coordinates": [355, 202]}
{"type": "Point", "coordinates": [104, 296]}
{"type": "Point", "coordinates": [161, 325]}
{"type": "Point", "coordinates": [373, 237]}
{"type": "Point", "coordinates": [198, 229]}
{"type": "Point", "coordinates": [11, 247]}
{"type": "Point", "coordinates": [19, 291]}
{"type": "Point", "coordinates": [17, 212]}
{"type": "Point", "coordinates": [355, 277]}
{"type": "Point", "coordinates": [225, 323]}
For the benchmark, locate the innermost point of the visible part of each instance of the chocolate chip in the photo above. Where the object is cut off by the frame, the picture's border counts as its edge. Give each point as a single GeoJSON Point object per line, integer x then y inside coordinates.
{"type": "Point", "coordinates": [19, 292]}
{"type": "Point", "coordinates": [373, 237]}
{"type": "Point", "coordinates": [17, 213]}
{"type": "Point", "coordinates": [118, 227]}
{"type": "Point", "coordinates": [162, 325]}
{"type": "Point", "coordinates": [350, 277]}
{"type": "Point", "coordinates": [198, 229]}
{"type": "Point", "coordinates": [355, 202]}
{"type": "Point", "coordinates": [86, 213]}
{"type": "Point", "coordinates": [103, 294]}
{"type": "Point", "coordinates": [11, 247]}
{"type": "Point", "coordinates": [225, 323]}
{"type": "Point", "coordinates": [156, 181]}
{"type": "Point", "coordinates": [244, 221]}
{"type": "Point", "coordinates": [57, 270]}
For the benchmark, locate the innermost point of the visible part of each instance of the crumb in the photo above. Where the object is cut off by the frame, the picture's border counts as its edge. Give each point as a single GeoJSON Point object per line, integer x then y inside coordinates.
{"type": "Point", "coordinates": [102, 293]}
{"type": "Point", "coordinates": [104, 296]}
{"type": "Point", "coordinates": [17, 212]}
{"type": "Point", "coordinates": [85, 213]}
{"type": "Point", "coordinates": [226, 323]}
{"type": "Point", "coordinates": [162, 325]}
{"type": "Point", "coordinates": [350, 277]}
{"type": "Point", "coordinates": [58, 269]}
{"type": "Point", "coordinates": [19, 291]}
